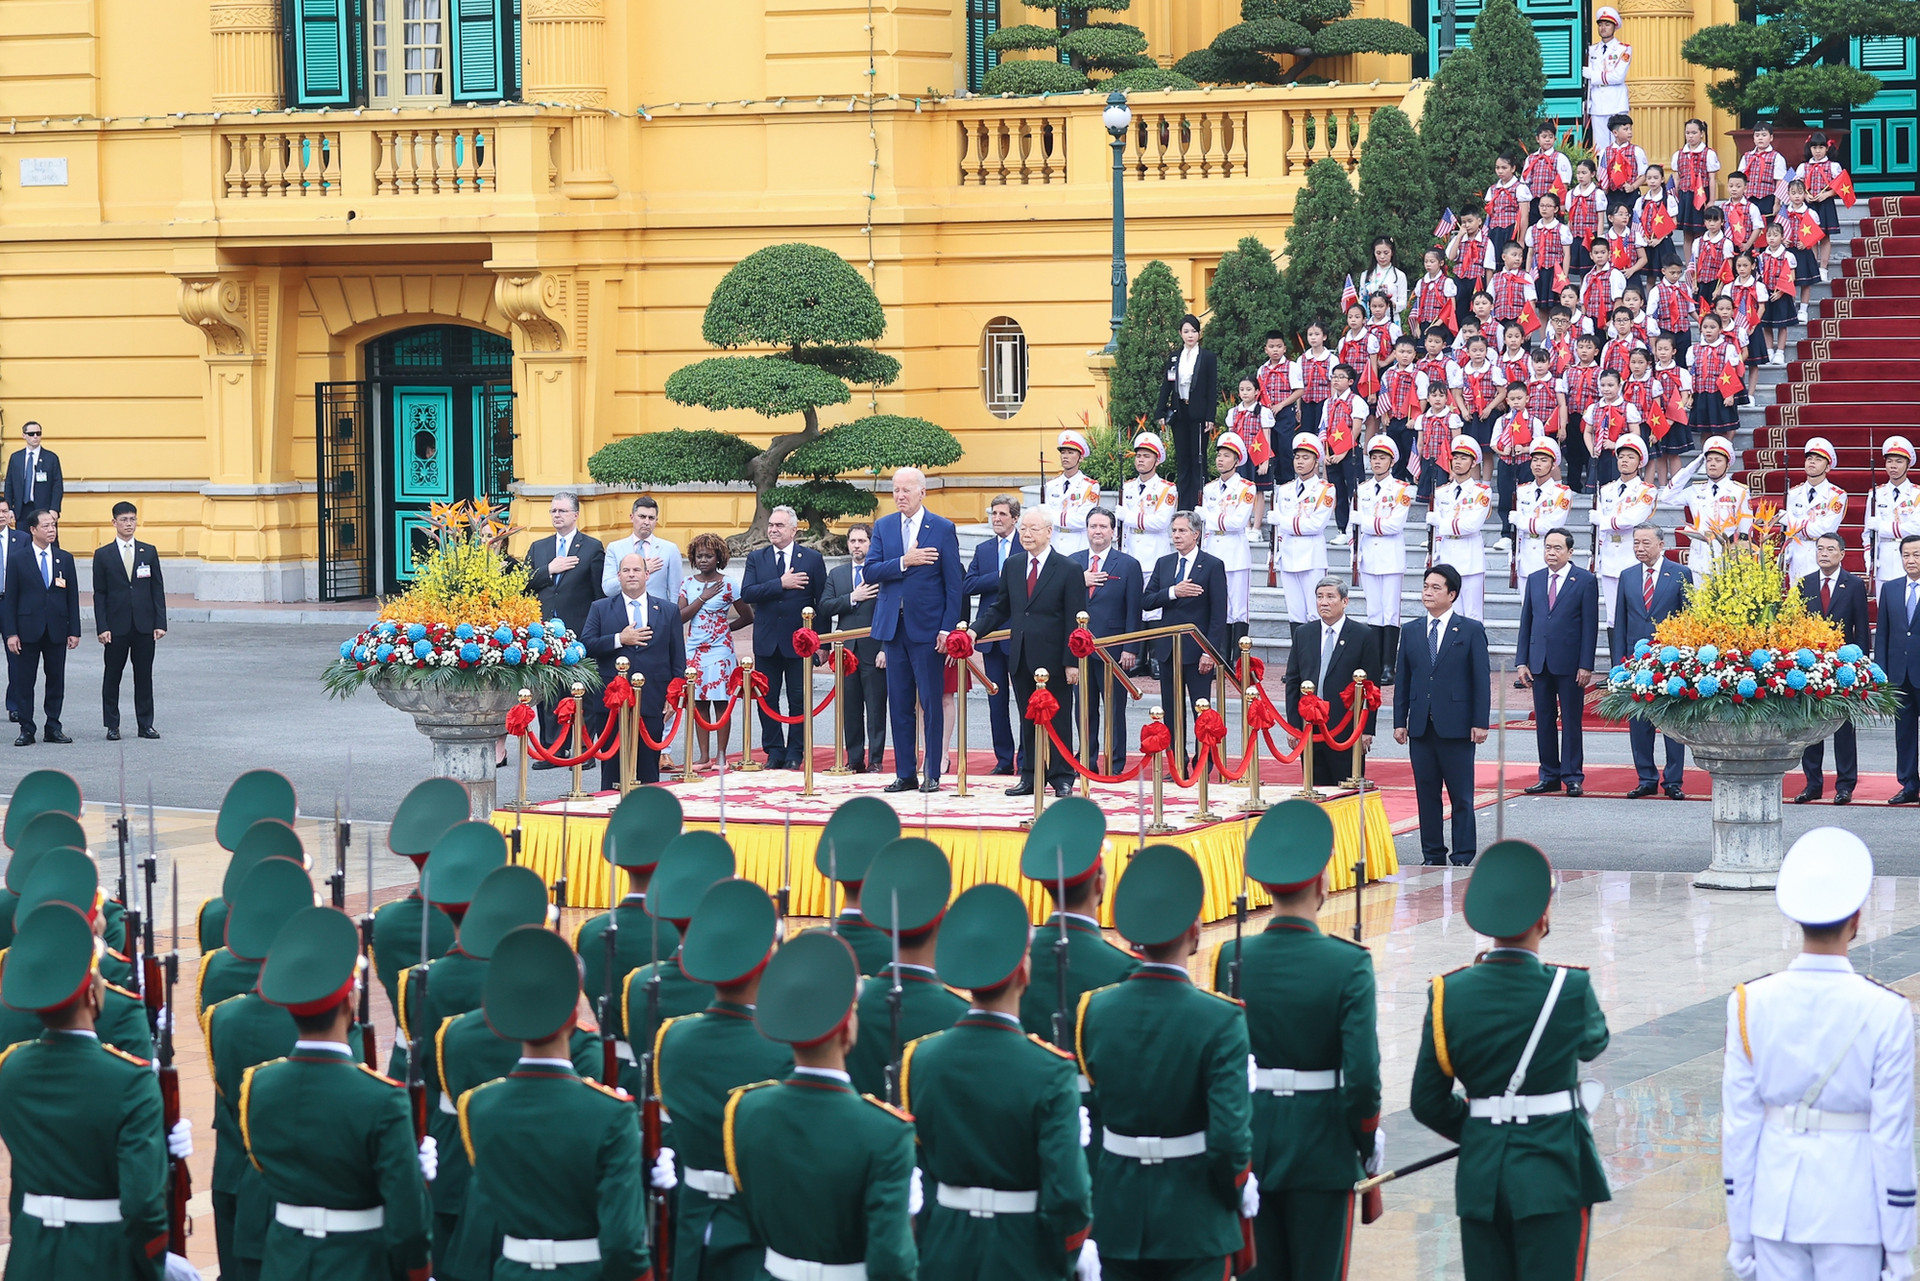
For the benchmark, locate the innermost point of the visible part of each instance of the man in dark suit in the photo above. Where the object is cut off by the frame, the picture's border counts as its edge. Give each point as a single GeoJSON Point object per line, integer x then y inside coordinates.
{"type": "Point", "coordinates": [33, 476]}
{"type": "Point", "coordinates": [41, 616]}
{"type": "Point", "coordinates": [1559, 632]}
{"type": "Point", "coordinates": [646, 631]}
{"type": "Point", "coordinates": [130, 614]}
{"type": "Point", "coordinates": [1328, 653]}
{"type": "Point", "coordinates": [848, 599]}
{"type": "Point", "coordinates": [916, 560]}
{"type": "Point", "coordinates": [1114, 584]}
{"type": "Point", "coordinates": [1896, 647]}
{"type": "Point", "coordinates": [566, 577]}
{"type": "Point", "coordinates": [983, 580]}
{"type": "Point", "coordinates": [1442, 687]}
{"type": "Point", "coordinates": [1189, 586]}
{"type": "Point", "coordinates": [1189, 396]}
{"type": "Point", "coordinates": [780, 581]}
{"type": "Point", "coordinates": [1040, 598]}
{"type": "Point", "coordinates": [1834, 594]}
{"type": "Point", "coordinates": [1648, 592]}
{"type": "Point", "coordinates": [10, 538]}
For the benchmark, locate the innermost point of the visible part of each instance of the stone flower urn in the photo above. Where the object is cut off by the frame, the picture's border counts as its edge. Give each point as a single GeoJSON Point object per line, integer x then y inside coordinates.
{"type": "Point", "coordinates": [1746, 763]}
{"type": "Point", "coordinates": [464, 725]}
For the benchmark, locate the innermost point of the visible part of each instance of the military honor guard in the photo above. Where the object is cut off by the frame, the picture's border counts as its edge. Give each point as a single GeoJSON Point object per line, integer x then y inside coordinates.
{"type": "Point", "coordinates": [1168, 1065]}
{"type": "Point", "coordinates": [1071, 494]}
{"type": "Point", "coordinates": [556, 1156]}
{"type": "Point", "coordinates": [1540, 506]}
{"type": "Point", "coordinates": [662, 989]}
{"type": "Point", "coordinates": [425, 814]}
{"type": "Point", "coordinates": [824, 1176]}
{"type": "Point", "coordinates": [256, 794]}
{"type": "Point", "coordinates": [1301, 512]}
{"type": "Point", "coordinates": [1893, 512]}
{"type": "Point", "coordinates": [1816, 1143]}
{"type": "Point", "coordinates": [857, 830]}
{"type": "Point", "coordinates": [1620, 507]}
{"type": "Point", "coordinates": [1511, 1032]}
{"type": "Point", "coordinates": [1147, 503]}
{"type": "Point", "coordinates": [1380, 509]}
{"type": "Point", "coordinates": [998, 1116]}
{"type": "Point", "coordinates": [67, 877]}
{"type": "Point", "coordinates": [1815, 507]}
{"type": "Point", "coordinates": [277, 887]}
{"type": "Point", "coordinates": [37, 793]}
{"type": "Point", "coordinates": [643, 824]}
{"type": "Point", "coordinates": [1226, 509]}
{"type": "Point", "coordinates": [1717, 507]}
{"type": "Point", "coordinates": [907, 891]}
{"type": "Point", "coordinates": [1461, 505]}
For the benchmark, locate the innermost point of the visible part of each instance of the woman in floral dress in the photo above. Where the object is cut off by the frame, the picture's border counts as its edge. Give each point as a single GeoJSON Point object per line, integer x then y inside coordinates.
{"type": "Point", "coordinates": [707, 600]}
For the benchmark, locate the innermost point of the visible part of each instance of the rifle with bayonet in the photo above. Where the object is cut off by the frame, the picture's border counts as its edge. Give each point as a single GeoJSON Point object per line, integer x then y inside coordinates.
{"type": "Point", "coordinates": [650, 1109]}
{"type": "Point", "coordinates": [416, 1063]}
{"type": "Point", "coordinates": [129, 890]}
{"type": "Point", "coordinates": [152, 979]}
{"type": "Point", "coordinates": [1061, 1019]}
{"type": "Point", "coordinates": [896, 995]}
{"type": "Point", "coordinates": [369, 1044]}
{"type": "Point", "coordinates": [609, 1043]}
{"type": "Point", "coordinates": [179, 1177]}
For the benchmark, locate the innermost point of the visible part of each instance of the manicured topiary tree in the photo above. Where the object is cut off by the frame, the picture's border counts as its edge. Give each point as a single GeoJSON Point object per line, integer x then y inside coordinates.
{"type": "Point", "coordinates": [1091, 47]}
{"type": "Point", "coordinates": [1277, 41]}
{"type": "Point", "coordinates": [1396, 197]}
{"type": "Point", "coordinates": [1323, 246]}
{"type": "Point", "coordinates": [1243, 302]}
{"type": "Point", "coordinates": [1516, 76]}
{"type": "Point", "coordinates": [1151, 330]}
{"type": "Point", "coordinates": [1794, 64]}
{"type": "Point", "coordinates": [1484, 100]}
{"type": "Point", "coordinates": [866, 446]}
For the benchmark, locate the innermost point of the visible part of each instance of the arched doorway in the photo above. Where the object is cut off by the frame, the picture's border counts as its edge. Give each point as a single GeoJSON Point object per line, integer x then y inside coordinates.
{"type": "Point", "coordinates": [433, 423]}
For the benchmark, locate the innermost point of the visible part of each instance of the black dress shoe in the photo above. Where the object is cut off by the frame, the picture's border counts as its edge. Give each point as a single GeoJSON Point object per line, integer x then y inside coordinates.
{"type": "Point", "coordinates": [1905, 796]}
{"type": "Point", "coordinates": [1644, 789]}
{"type": "Point", "coordinates": [1433, 862]}
{"type": "Point", "coordinates": [25, 739]}
{"type": "Point", "coordinates": [1843, 797]}
{"type": "Point", "coordinates": [1807, 794]}
{"type": "Point", "coordinates": [113, 736]}
{"type": "Point", "coordinates": [1460, 860]}
{"type": "Point", "coordinates": [1541, 788]}
{"type": "Point", "coordinates": [148, 731]}
{"type": "Point", "coordinates": [1020, 789]}
{"type": "Point", "coordinates": [902, 785]}
{"type": "Point", "coordinates": [1063, 789]}
{"type": "Point", "coordinates": [1675, 792]}
{"type": "Point", "coordinates": [544, 765]}
{"type": "Point", "coordinates": [930, 785]}
{"type": "Point", "coordinates": [57, 736]}
{"type": "Point", "coordinates": [1573, 789]}
{"type": "Point", "coordinates": [858, 767]}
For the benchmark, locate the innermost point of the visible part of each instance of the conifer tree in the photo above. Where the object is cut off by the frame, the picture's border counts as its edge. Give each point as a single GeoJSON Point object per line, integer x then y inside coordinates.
{"type": "Point", "coordinates": [1396, 197]}
{"type": "Point", "coordinates": [1089, 46]}
{"type": "Point", "coordinates": [1516, 77]}
{"type": "Point", "coordinates": [1483, 101]}
{"type": "Point", "coordinates": [1243, 303]}
{"type": "Point", "coordinates": [1325, 244]}
{"type": "Point", "coordinates": [1299, 31]}
{"type": "Point", "coordinates": [1150, 331]}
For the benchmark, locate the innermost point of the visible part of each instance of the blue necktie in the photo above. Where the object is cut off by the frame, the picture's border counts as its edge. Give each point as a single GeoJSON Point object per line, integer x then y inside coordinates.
{"type": "Point", "coordinates": [46, 580]}
{"type": "Point", "coordinates": [1181, 577]}
{"type": "Point", "coordinates": [1913, 593]}
{"type": "Point", "coordinates": [1433, 640]}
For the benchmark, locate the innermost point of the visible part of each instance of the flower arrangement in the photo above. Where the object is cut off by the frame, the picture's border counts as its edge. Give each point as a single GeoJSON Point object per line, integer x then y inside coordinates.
{"type": "Point", "coordinates": [466, 623]}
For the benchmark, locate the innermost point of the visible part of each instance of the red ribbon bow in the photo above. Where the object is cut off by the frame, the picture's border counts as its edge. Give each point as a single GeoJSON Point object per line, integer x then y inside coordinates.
{"type": "Point", "coordinates": [1080, 643]}
{"type": "Point", "coordinates": [849, 662]}
{"type": "Point", "coordinates": [1155, 738]}
{"type": "Point", "coordinates": [1261, 713]}
{"type": "Point", "coordinates": [806, 642]}
{"type": "Point", "coordinates": [1209, 728]}
{"type": "Point", "coordinates": [959, 645]}
{"type": "Point", "coordinates": [1041, 706]}
{"type": "Point", "coordinates": [520, 719]}
{"type": "Point", "coordinates": [1314, 710]}
{"type": "Point", "coordinates": [676, 690]}
{"type": "Point", "coordinates": [619, 693]}
{"type": "Point", "coordinates": [563, 711]}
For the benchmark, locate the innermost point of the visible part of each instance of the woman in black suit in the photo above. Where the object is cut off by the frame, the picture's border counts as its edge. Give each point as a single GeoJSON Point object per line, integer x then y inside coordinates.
{"type": "Point", "coordinates": [1188, 395]}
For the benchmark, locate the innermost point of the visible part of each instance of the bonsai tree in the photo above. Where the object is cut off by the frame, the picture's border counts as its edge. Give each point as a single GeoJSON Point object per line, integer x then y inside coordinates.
{"type": "Point", "coordinates": [869, 446]}
{"type": "Point", "coordinates": [1794, 64]}
{"type": "Point", "coordinates": [1324, 243]}
{"type": "Point", "coordinates": [1484, 100]}
{"type": "Point", "coordinates": [1088, 46]}
{"type": "Point", "coordinates": [1244, 301]}
{"type": "Point", "coordinates": [1150, 331]}
{"type": "Point", "coordinates": [1300, 32]}
{"type": "Point", "coordinates": [1396, 197]}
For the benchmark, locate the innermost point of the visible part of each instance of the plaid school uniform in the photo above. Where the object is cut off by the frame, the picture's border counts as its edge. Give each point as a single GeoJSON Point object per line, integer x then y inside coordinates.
{"type": "Point", "coordinates": [1511, 292]}
{"type": "Point", "coordinates": [1277, 382]}
{"type": "Point", "coordinates": [1765, 171]}
{"type": "Point", "coordinates": [1432, 303]}
{"type": "Point", "coordinates": [1503, 201]}
{"type": "Point", "coordinates": [1711, 254]}
{"type": "Point", "coordinates": [1564, 353]}
{"type": "Point", "coordinates": [1708, 360]}
{"type": "Point", "coordinates": [1743, 220]}
{"type": "Point", "coordinates": [1673, 313]}
{"type": "Point", "coordinates": [1401, 392]}
{"type": "Point", "coordinates": [1542, 173]}
{"type": "Point", "coordinates": [1255, 427]}
{"type": "Point", "coordinates": [1613, 356]}
{"type": "Point", "coordinates": [1480, 394]}
{"type": "Point", "coordinates": [1803, 233]}
{"type": "Point", "coordinates": [1585, 210]}
{"type": "Point", "coordinates": [1674, 382]}
{"type": "Point", "coordinates": [1436, 433]}
{"type": "Point", "coordinates": [1357, 350]}
{"type": "Point", "coordinates": [1515, 366]}
{"type": "Point", "coordinates": [1550, 242]}
{"type": "Point", "coordinates": [1543, 398]}
{"type": "Point", "coordinates": [1820, 175]}
{"type": "Point", "coordinates": [1690, 169]}
{"type": "Point", "coordinates": [1620, 170]}
{"type": "Point", "coordinates": [1316, 384]}
{"type": "Point", "coordinates": [1471, 272]}
{"type": "Point", "coordinates": [1777, 273]}
{"type": "Point", "coordinates": [1658, 247]}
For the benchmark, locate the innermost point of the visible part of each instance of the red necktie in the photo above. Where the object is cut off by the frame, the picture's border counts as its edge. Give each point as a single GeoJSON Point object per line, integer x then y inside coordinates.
{"type": "Point", "coordinates": [1033, 577]}
{"type": "Point", "coordinates": [1646, 588]}
{"type": "Point", "coordinates": [1826, 595]}
{"type": "Point", "coordinates": [1094, 569]}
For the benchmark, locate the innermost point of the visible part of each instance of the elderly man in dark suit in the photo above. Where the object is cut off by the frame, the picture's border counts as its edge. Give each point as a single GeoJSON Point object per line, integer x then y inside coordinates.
{"type": "Point", "coordinates": [916, 560]}
{"type": "Point", "coordinates": [863, 696]}
{"type": "Point", "coordinates": [1040, 598]}
{"type": "Point", "coordinates": [1559, 632]}
{"type": "Point", "coordinates": [33, 476]}
{"type": "Point", "coordinates": [1189, 396]}
{"type": "Point", "coordinates": [780, 581]}
{"type": "Point", "coordinates": [1328, 652]}
{"type": "Point", "coordinates": [1834, 594]}
{"type": "Point", "coordinates": [40, 614]}
{"type": "Point", "coordinates": [646, 631]}
{"type": "Point", "coordinates": [566, 569]}
{"type": "Point", "coordinates": [1646, 595]}
{"type": "Point", "coordinates": [1896, 647]}
{"type": "Point", "coordinates": [983, 580]}
{"type": "Point", "coordinates": [1115, 583]}
{"type": "Point", "coordinates": [1442, 685]}
{"type": "Point", "coordinates": [1189, 586]}
{"type": "Point", "coordinates": [130, 614]}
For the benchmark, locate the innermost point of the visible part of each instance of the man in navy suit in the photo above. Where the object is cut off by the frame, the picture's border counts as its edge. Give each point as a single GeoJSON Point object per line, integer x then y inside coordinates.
{"type": "Point", "coordinates": [646, 631]}
{"type": "Point", "coordinates": [1638, 606]}
{"type": "Point", "coordinates": [915, 558]}
{"type": "Point", "coordinates": [1559, 631]}
{"type": "Point", "coordinates": [10, 538]}
{"type": "Point", "coordinates": [1442, 687]}
{"type": "Point", "coordinates": [41, 616]}
{"type": "Point", "coordinates": [983, 580]}
{"type": "Point", "coordinates": [779, 582]}
{"type": "Point", "coordinates": [1896, 647]}
{"type": "Point", "coordinates": [1840, 597]}
{"type": "Point", "coordinates": [1114, 584]}
{"type": "Point", "coordinates": [565, 574]}
{"type": "Point", "coordinates": [33, 476]}
{"type": "Point", "coordinates": [1190, 586]}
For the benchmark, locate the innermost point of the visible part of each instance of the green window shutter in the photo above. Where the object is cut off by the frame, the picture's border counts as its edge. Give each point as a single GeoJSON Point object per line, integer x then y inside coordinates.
{"type": "Point", "coordinates": [323, 48]}
{"type": "Point", "coordinates": [480, 47]}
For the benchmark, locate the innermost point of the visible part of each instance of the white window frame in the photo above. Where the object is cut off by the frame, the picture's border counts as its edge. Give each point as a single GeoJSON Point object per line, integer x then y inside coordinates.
{"type": "Point", "coordinates": [388, 27]}
{"type": "Point", "coordinates": [1004, 366]}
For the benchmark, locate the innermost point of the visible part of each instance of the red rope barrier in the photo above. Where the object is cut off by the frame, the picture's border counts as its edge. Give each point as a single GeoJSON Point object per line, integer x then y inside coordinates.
{"type": "Point", "coordinates": [790, 720]}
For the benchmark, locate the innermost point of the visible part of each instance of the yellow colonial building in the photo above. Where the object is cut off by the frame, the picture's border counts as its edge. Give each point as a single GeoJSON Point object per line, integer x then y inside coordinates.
{"type": "Point", "coordinates": [285, 271]}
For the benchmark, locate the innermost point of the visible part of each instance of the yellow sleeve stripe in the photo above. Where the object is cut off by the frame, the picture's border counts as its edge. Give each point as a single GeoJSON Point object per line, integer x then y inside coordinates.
{"type": "Point", "coordinates": [246, 1101]}
{"type": "Point", "coordinates": [1440, 1024]}
{"type": "Point", "coordinates": [626, 1007]}
{"type": "Point", "coordinates": [659, 1039]}
{"type": "Point", "coordinates": [400, 1015]}
{"type": "Point", "coordinates": [466, 1125]}
{"type": "Point", "coordinates": [1080, 1034]}
{"type": "Point", "coordinates": [1740, 991]}
{"type": "Point", "coordinates": [726, 1137]}
{"type": "Point", "coordinates": [906, 1079]}
{"type": "Point", "coordinates": [440, 1050]}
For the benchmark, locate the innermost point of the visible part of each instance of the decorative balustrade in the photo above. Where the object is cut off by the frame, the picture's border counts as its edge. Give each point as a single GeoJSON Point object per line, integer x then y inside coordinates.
{"type": "Point", "coordinates": [1324, 132]}
{"type": "Point", "coordinates": [280, 164]}
{"type": "Point", "coordinates": [1013, 150]}
{"type": "Point", "coordinates": [1177, 143]}
{"type": "Point", "coordinates": [430, 161]}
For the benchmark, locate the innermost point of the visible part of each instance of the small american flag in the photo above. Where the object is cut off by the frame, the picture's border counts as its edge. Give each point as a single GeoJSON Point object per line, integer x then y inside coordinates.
{"type": "Point", "coordinates": [1446, 225]}
{"type": "Point", "coordinates": [1349, 296]}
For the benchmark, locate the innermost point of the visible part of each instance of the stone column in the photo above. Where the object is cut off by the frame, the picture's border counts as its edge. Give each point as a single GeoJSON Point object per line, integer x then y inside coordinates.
{"type": "Point", "coordinates": [1746, 764]}
{"type": "Point", "coordinates": [550, 378]}
{"type": "Point", "coordinates": [1660, 85]}
{"type": "Point", "coordinates": [565, 65]}
{"type": "Point", "coordinates": [247, 55]}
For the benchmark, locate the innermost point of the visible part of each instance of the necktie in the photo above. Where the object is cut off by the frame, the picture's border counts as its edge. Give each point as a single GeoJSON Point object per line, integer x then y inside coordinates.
{"type": "Point", "coordinates": [560, 549]}
{"type": "Point", "coordinates": [1553, 590]}
{"type": "Point", "coordinates": [1181, 577]}
{"type": "Point", "coordinates": [1004, 543]}
{"type": "Point", "coordinates": [126, 559]}
{"type": "Point", "coordinates": [1433, 640]}
{"type": "Point", "coordinates": [1826, 595]}
{"type": "Point", "coordinates": [1299, 488]}
{"type": "Point", "coordinates": [1716, 489]}
{"type": "Point", "coordinates": [639, 605]}
{"type": "Point", "coordinates": [1033, 577]}
{"type": "Point", "coordinates": [1913, 594]}
{"type": "Point", "coordinates": [1647, 579]}
{"type": "Point", "coordinates": [913, 531]}
{"type": "Point", "coordinates": [32, 458]}
{"type": "Point", "coordinates": [856, 575]}
{"type": "Point", "coordinates": [1094, 568]}
{"type": "Point", "coordinates": [46, 580]}
{"type": "Point", "coordinates": [783, 562]}
{"type": "Point", "coordinates": [1327, 642]}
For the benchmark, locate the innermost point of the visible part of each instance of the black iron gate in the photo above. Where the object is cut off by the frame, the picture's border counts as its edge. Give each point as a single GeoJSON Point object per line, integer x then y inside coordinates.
{"type": "Point", "coordinates": [343, 431]}
{"type": "Point", "coordinates": [496, 442]}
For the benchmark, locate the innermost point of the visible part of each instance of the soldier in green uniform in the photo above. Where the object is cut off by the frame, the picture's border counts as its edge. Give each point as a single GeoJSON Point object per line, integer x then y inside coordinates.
{"type": "Point", "coordinates": [332, 1139]}
{"type": "Point", "coordinates": [424, 816]}
{"type": "Point", "coordinates": [998, 1115]}
{"type": "Point", "coordinates": [255, 795]}
{"type": "Point", "coordinates": [1310, 1017]}
{"type": "Point", "coordinates": [1066, 845]}
{"type": "Point", "coordinates": [699, 1059]}
{"type": "Point", "coordinates": [82, 1121]}
{"type": "Point", "coordinates": [38, 792]}
{"type": "Point", "coordinates": [853, 834]}
{"type": "Point", "coordinates": [825, 1176]}
{"type": "Point", "coordinates": [1168, 1065]}
{"type": "Point", "coordinates": [689, 866]}
{"type": "Point", "coordinates": [461, 859]}
{"type": "Point", "coordinates": [909, 876]}
{"type": "Point", "coordinates": [643, 824]}
{"type": "Point", "coordinates": [1513, 1032]}
{"type": "Point", "coordinates": [68, 877]}
{"type": "Point", "coordinates": [557, 1156]}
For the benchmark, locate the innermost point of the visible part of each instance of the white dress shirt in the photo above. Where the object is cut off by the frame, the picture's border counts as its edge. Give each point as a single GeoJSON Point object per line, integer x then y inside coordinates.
{"type": "Point", "coordinates": [1188, 355]}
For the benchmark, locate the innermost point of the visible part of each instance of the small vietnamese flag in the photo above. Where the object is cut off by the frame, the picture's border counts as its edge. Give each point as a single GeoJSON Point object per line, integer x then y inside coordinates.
{"type": "Point", "coordinates": [1699, 197]}
{"type": "Point", "coordinates": [1619, 168]}
{"type": "Point", "coordinates": [1843, 187]}
{"type": "Point", "coordinates": [1559, 186]}
{"type": "Point", "coordinates": [1621, 254]}
{"type": "Point", "coordinates": [1340, 438]}
{"type": "Point", "coordinates": [1660, 223]}
{"type": "Point", "coordinates": [1530, 319]}
{"type": "Point", "coordinates": [1349, 296]}
{"type": "Point", "coordinates": [1559, 278]}
{"type": "Point", "coordinates": [1807, 231]}
{"type": "Point", "coordinates": [1658, 424]}
{"type": "Point", "coordinates": [1262, 447]}
{"type": "Point", "coordinates": [1731, 380]}
{"type": "Point", "coordinates": [1726, 272]}
{"type": "Point", "coordinates": [1369, 385]}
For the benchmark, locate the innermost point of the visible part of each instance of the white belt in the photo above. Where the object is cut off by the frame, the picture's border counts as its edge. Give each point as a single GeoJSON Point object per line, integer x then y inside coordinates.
{"type": "Point", "coordinates": [781, 1268]}
{"type": "Point", "coordinates": [1285, 1081]}
{"type": "Point", "coordinates": [448, 1106]}
{"type": "Point", "coordinates": [318, 1221]}
{"type": "Point", "coordinates": [59, 1211]}
{"type": "Point", "coordinates": [623, 1050]}
{"type": "Point", "coordinates": [1151, 1149]}
{"type": "Point", "coordinates": [1517, 1108]}
{"type": "Point", "coordinates": [545, 1256]}
{"type": "Point", "coordinates": [1086, 1086]}
{"type": "Point", "coordinates": [984, 1203]}
{"type": "Point", "coordinates": [717, 1184]}
{"type": "Point", "coordinates": [1801, 1119]}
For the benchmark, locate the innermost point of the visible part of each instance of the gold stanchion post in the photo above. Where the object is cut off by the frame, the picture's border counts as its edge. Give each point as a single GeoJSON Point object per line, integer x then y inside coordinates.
{"type": "Point", "coordinates": [806, 712]}
{"type": "Point", "coordinates": [626, 758]}
{"type": "Point", "coordinates": [840, 765]}
{"type": "Point", "coordinates": [526, 700]}
{"type": "Point", "coordinates": [579, 738]}
{"type": "Point", "coordinates": [1202, 813]}
{"type": "Point", "coordinates": [1179, 701]}
{"type": "Point", "coordinates": [1159, 824]}
{"type": "Point", "coordinates": [689, 676]}
{"type": "Point", "coordinates": [1359, 780]}
{"type": "Point", "coordinates": [1086, 714]}
{"type": "Point", "coordinates": [1253, 804]}
{"type": "Point", "coordinates": [959, 731]}
{"type": "Point", "coordinates": [1041, 742]}
{"type": "Point", "coordinates": [747, 764]}
{"type": "Point", "coordinates": [1306, 792]}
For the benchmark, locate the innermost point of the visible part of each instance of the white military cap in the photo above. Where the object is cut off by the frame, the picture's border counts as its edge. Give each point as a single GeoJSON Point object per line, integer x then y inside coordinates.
{"type": "Point", "coordinates": [1825, 877]}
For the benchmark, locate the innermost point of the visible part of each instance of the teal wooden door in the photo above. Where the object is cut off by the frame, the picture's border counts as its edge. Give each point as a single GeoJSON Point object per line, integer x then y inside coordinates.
{"type": "Point", "coordinates": [1561, 26]}
{"type": "Point", "coordinates": [1885, 133]}
{"type": "Point", "coordinates": [424, 469]}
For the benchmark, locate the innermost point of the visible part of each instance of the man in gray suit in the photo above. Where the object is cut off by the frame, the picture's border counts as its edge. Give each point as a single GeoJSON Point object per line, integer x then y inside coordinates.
{"type": "Point", "coordinates": [1647, 593]}
{"type": "Point", "coordinates": [848, 605]}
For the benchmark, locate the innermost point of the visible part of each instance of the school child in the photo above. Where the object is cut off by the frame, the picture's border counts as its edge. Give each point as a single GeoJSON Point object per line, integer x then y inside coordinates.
{"type": "Point", "coordinates": [1606, 421]}
{"type": "Point", "coordinates": [1586, 214]}
{"type": "Point", "coordinates": [1577, 317]}
{"type": "Point", "coordinates": [1343, 432]}
{"type": "Point", "coordinates": [1696, 168]}
{"type": "Point", "coordinates": [1436, 360]}
{"type": "Point", "coordinates": [1516, 435]}
{"type": "Point", "coordinates": [1655, 217]}
{"type": "Point", "coordinates": [1581, 383]}
{"type": "Point", "coordinates": [1559, 340]}
{"type": "Point", "coordinates": [1253, 423]}
{"type": "Point", "coordinates": [1471, 252]}
{"type": "Point", "coordinates": [1744, 221]}
{"type": "Point", "coordinates": [1279, 380]}
{"type": "Point", "coordinates": [1385, 276]}
{"type": "Point", "coordinates": [1355, 347]}
{"type": "Point", "coordinates": [1316, 377]}
{"type": "Point", "coordinates": [1480, 384]}
{"type": "Point", "coordinates": [1403, 389]}
{"type": "Point", "coordinates": [1431, 301]}
{"type": "Point", "coordinates": [1506, 202]}
{"type": "Point", "coordinates": [1545, 170]}
{"type": "Point", "coordinates": [1714, 410]}
{"type": "Point", "coordinates": [1547, 397]}
{"type": "Point", "coordinates": [1512, 359]}
{"type": "Point", "coordinates": [1622, 247]}
{"type": "Point", "coordinates": [1435, 431]}
{"type": "Point", "coordinates": [1776, 271]}
{"type": "Point", "coordinates": [1383, 330]}
{"type": "Point", "coordinates": [1765, 170]}
{"type": "Point", "coordinates": [1672, 307]}
{"type": "Point", "coordinates": [1821, 175]}
{"type": "Point", "coordinates": [1712, 255]}
{"type": "Point", "coordinates": [1511, 286]}
{"type": "Point", "coordinates": [1675, 394]}
{"type": "Point", "coordinates": [1803, 234]}
{"type": "Point", "coordinates": [1621, 164]}
{"type": "Point", "coordinates": [1480, 322]}
{"type": "Point", "coordinates": [1634, 299]}
{"type": "Point", "coordinates": [1600, 293]}
{"type": "Point", "coordinates": [1621, 343]}
{"type": "Point", "coordinates": [1549, 245]}
{"type": "Point", "coordinates": [1739, 309]}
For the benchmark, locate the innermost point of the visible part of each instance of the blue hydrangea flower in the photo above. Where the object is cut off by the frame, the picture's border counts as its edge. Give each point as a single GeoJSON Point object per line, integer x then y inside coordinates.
{"type": "Point", "coordinates": [1796, 679]}
{"type": "Point", "coordinates": [386, 631]}
{"type": "Point", "coordinates": [383, 653]}
{"type": "Point", "coordinates": [573, 654]}
{"type": "Point", "coordinates": [536, 632]}
{"type": "Point", "coordinates": [469, 653]}
{"type": "Point", "coordinates": [1850, 654]}
{"type": "Point", "coordinates": [556, 627]}
{"type": "Point", "coordinates": [1618, 676]}
{"type": "Point", "coordinates": [535, 649]}
{"type": "Point", "coordinates": [1643, 678]}
{"type": "Point", "coordinates": [1641, 648]}
{"type": "Point", "coordinates": [512, 655]}
{"type": "Point", "coordinates": [1760, 658]}
{"type": "Point", "coordinates": [359, 654]}
{"type": "Point", "coordinates": [422, 649]}
{"type": "Point", "coordinates": [346, 651]}
{"type": "Point", "coordinates": [503, 635]}
{"type": "Point", "coordinates": [1879, 673]}
{"type": "Point", "coordinates": [463, 632]}
{"type": "Point", "coordinates": [1669, 654]}
{"type": "Point", "coordinates": [1844, 677]}
{"type": "Point", "coordinates": [416, 631]}
{"type": "Point", "coordinates": [1674, 686]}
{"type": "Point", "coordinates": [1806, 659]}
{"type": "Point", "coordinates": [1707, 685]}
{"type": "Point", "coordinates": [1746, 687]}
{"type": "Point", "coordinates": [1709, 653]}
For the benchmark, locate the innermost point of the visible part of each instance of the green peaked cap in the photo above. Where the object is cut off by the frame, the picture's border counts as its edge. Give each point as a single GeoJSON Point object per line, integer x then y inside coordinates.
{"type": "Point", "coordinates": [49, 831]}
{"type": "Point", "coordinates": [40, 792]}
{"type": "Point", "coordinates": [918, 872]}
{"type": "Point", "coordinates": [1290, 845]}
{"type": "Point", "coordinates": [688, 868]}
{"type": "Point", "coordinates": [1159, 896]}
{"type": "Point", "coordinates": [808, 989]}
{"type": "Point", "coordinates": [1065, 841]}
{"type": "Point", "coordinates": [312, 962]}
{"type": "Point", "coordinates": [256, 794]}
{"type": "Point", "coordinates": [1511, 886]}
{"type": "Point", "coordinates": [509, 897]}
{"type": "Point", "coordinates": [854, 833]}
{"type": "Point", "coordinates": [731, 933]}
{"type": "Point", "coordinates": [268, 898]}
{"type": "Point", "coordinates": [533, 986]}
{"type": "Point", "coordinates": [461, 859]}
{"type": "Point", "coordinates": [644, 823]}
{"type": "Point", "coordinates": [267, 838]}
{"type": "Point", "coordinates": [61, 876]}
{"type": "Point", "coordinates": [50, 960]}
{"type": "Point", "coordinates": [983, 938]}
{"type": "Point", "coordinates": [425, 814]}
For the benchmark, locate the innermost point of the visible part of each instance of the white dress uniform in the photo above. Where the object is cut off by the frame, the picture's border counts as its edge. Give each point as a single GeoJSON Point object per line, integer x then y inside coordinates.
{"type": "Point", "coordinates": [1226, 510]}
{"type": "Point", "coordinates": [1620, 506]}
{"type": "Point", "coordinates": [1301, 512]}
{"type": "Point", "coordinates": [1540, 507]}
{"type": "Point", "coordinates": [1146, 513]}
{"type": "Point", "coordinates": [1723, 502]}
{"type": "Point", "coordinates": [1892, 514]}
{"type": "Point", "coordinates": [1608, 62]}
{"type": "Point", "coordinates": [1460, 508]}
{"type": "Point", "coordinates": [1070, 498]}
{"type": "Point", "coordinates": [1379, 519]}
{"type": "Point", "coordinates": [1813, 510]}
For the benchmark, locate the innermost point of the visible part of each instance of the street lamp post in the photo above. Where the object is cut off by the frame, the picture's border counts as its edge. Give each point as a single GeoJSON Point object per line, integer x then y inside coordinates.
{"type": "Point", "coordinates": [1118, 119]}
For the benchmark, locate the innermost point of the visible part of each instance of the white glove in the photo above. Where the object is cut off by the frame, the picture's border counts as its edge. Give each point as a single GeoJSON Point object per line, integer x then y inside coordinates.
{"type": "Point", "coordinates": [1378, 1161]}
{"type": "Point", "coordinates": [916, 1195]}
{"type": "Point", "coordinates": [180, 1139]}
{"type": "Point", "coordinates": [178, 1269]}
{"type": "Point", "coordinates": [1087, 1266]}
{"type": "Point", "coordinates": [1899, 1267]}
{"type": "Point", "coordinates": [1740, 1259]}
{"type": "Point", "coordinates": [161, 1023]}
{"type": "Point", "coordinates": [429, 1158]}
{"type": "Point", "coordinates": [663, 1178]}
{"type": "Point", "coordinates": [1250, 1197]}
{"type": "Point", "coordinates": [1253, 1075]}
{"type": "Point", "coordinates": [1086, 1128]}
